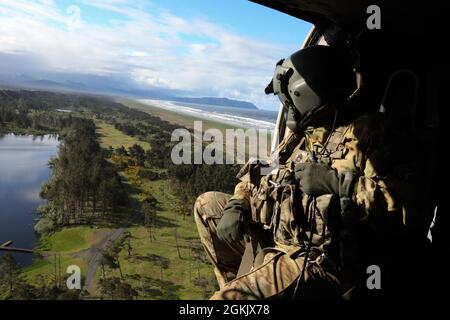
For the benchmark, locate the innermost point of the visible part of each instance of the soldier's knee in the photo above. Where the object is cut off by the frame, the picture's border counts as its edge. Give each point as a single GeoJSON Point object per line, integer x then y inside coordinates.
{"type": "Point", "coordinates": [210, 205]}
{"type": "Point", "coordinates": [202, 203]}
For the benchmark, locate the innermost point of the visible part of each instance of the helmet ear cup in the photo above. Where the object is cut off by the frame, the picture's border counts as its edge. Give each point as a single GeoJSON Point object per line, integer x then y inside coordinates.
{"type": "Point", "coordinates": [303, 97]}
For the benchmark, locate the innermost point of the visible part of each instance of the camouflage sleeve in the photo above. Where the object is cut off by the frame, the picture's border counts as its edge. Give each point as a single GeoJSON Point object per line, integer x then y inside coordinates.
{"type": "Point", "coordinates": [242, 194]}
{"type": "Point", "coordinates": [365, 156]}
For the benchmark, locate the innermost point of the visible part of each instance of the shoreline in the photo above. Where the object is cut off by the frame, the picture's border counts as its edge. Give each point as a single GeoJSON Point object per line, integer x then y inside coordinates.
{"type": "Point", "coordinates": [234, 117]}
{"type": "Point", "coordinates": [183, 120]}
{"type": "Point", "coordinates": [187, 117]}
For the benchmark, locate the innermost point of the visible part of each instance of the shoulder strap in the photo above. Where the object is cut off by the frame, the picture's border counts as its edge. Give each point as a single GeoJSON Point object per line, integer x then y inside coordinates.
{"type": "Point", "coordinates": [335, 145]}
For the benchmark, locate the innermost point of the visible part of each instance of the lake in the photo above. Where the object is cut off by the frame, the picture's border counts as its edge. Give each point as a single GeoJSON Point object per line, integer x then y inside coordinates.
{"type": "Point", "coordinates": [23, 169]}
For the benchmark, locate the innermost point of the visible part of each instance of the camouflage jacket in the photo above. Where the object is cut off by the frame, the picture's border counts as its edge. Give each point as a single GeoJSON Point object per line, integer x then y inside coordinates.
{"type": "Point", "coordinates": [275, 201]}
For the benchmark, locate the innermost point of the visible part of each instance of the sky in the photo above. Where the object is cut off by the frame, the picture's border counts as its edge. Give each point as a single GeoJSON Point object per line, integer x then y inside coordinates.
{"type": "Point", "coordinates": [217, 48]}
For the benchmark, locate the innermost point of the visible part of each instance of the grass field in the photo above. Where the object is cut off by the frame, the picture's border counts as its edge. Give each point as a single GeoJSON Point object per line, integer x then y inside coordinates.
{"type": "Point", "coordinates": [143, 268]}
{"type": "Point", "coordinates": [67, 240]}
{"type": "Point", "coordinates": [110, 136]}
{"type": "Point", "coordinates": [71, 243]}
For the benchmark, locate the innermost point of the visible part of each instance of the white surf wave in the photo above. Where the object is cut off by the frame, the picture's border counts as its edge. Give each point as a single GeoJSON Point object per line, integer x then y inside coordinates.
{"type": "Point", "coordinates": [236, 120]}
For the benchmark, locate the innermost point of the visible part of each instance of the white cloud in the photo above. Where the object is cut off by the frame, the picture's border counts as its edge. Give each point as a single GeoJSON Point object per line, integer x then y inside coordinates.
{"type": "Point", "coordinates": [149, 46]}
{"type": "Point", "coordinates": [74, 21]}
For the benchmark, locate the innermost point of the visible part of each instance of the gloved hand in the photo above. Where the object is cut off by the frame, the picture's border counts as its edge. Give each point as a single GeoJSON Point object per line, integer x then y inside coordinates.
{"type": "Point", "coordinates": [316, 179]}
{"type": "Point", "coordinates": [230, 227]}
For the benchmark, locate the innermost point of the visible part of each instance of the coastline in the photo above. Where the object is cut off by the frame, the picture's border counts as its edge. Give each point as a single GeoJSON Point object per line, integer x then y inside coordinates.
{"type": "Point", "coordinates": [183, 120]}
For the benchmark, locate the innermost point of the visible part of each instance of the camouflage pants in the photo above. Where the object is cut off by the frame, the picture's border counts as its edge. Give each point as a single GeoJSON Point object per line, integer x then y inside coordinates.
{"type": "Point", "coordinates": [226, 257]}
{"type": "Point", "coordinates": [274, 276]}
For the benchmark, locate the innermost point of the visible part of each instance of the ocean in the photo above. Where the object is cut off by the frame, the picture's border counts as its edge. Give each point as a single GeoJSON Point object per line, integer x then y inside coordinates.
{"type": "Point", "coordinates": [246, 118]}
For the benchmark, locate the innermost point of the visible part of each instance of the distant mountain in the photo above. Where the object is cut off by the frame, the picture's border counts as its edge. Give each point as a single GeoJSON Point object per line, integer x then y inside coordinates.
{"type": "Point", "coordinates": [75, 85]}
{"type": "Point", "coordinates": [44, 83]}
{"type": "Point", "coordinates": [85, 84]}
{"type": "Point", "coordinates": [50, 84]}
{"type": "Point", "coordinates": [224, 102]}
{"type": "Point", "coordinates": [111, 86]}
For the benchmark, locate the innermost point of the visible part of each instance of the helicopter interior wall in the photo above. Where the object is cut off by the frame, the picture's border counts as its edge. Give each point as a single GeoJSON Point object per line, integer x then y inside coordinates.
{"type": "Point", "coordinates": [400, 16]}
{"type": "Point", "coordinates": [382, 54]}
{"type": "Point", "coordinates": [412, 38]}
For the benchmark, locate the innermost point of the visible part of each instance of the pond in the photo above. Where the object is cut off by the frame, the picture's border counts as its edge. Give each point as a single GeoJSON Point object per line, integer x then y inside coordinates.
{"type": "Point", "coordinates": [23, 169]}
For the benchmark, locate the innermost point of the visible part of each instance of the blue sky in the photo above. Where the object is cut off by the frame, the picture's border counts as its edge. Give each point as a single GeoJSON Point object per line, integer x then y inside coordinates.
{"type": "Point", "coordinates": [224, 48]}
{"type": "Point", "coordinates": [242, 17]}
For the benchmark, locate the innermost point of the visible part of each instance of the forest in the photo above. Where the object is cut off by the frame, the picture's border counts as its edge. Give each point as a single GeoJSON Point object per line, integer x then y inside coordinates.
{"type": "Point", "coordinates": [83, 184]}
{"type": "Point", "coordinates": [92, 184]}
{"type": "Point", "coordinates": [81, 174]}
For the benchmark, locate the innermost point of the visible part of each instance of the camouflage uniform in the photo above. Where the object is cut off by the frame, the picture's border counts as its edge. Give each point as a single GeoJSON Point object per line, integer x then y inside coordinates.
{"type": "Point", "coordinates": [282, 209]}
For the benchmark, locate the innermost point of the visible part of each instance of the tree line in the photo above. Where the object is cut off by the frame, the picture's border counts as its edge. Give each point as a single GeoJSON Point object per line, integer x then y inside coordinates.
{"type": "Point", "coordinates": [40, 112]}
{"type": "Point", "coordinates": [83, 183]}
{"type": "Point", "coordinates": [14, 286]}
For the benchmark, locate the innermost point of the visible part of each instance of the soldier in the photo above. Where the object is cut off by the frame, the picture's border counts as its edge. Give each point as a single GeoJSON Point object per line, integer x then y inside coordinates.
{"type": "Point", "coordinates": [305, 214]}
